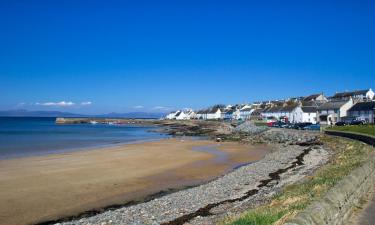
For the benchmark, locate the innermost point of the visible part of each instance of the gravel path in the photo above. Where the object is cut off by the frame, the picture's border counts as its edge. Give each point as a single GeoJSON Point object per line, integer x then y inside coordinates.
{"type": "Point", "coordinates": [229, 194]}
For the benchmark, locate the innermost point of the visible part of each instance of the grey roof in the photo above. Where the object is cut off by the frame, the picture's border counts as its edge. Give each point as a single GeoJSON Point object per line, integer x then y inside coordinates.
{"type": "Point", "coordinates": [311, 97]}
{"type": "Point", "coordinates": [280, 109]}
{"type": "Point", "coordinates": [246, 110]}
{"type": "Point", "coordinates": [257, 111]}
{"type": "Point", "coordinates": [213, 110]}
{"type": "Point", "coordinates": [350, 93]}
{"type": "Point", "coordinates": [274, 109]}
{"type": "Point", "coordinates": [203, 111]}
{"type": "Point", "coordinates": [309, 109]}
{"type": "Point", "coordinates": [312, 103]}
{"type": "Point", "coordinates": [332, 105]}
{"type": "Point", "coordinates": [288, 108]}
{"type": "Point", "coordinates": [363, 106]}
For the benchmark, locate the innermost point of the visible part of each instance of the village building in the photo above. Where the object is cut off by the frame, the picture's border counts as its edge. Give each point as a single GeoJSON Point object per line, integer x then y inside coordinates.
{"type": "Point", "coordinates": [181, 116]}
{"type": "Point", "coordinates": [293, 114]}
{"type": "Point", "coordinates": [295, 99]}
{"type": "Point", "coordinates": [315, 97]}
{"type": "Point", "coordinates": [188, 114]}
{"type": "Point", "coordinates": [227, 114]}
{"type": "Point", "coordinates": [364, 111]}
{"type": "Point", "coordinates": [202, 114]}
{"type": "Point", "coordinates": [172, 115]}
{"type": "Point", "coordinates": [272, 113]}
{"type": "Point", "coordinates": [192, 115]}
{"type": "Point", "coordinates": [236, 114]}
{"type": "Point", "coordinates": [257, 114]}
{"type": "Point", "coordinates": [214, 114]}
{"type": "Point", "coordinates": [245, 113]}
{"type": "Point", "coordinates": [287, 113]}
{"type": "Point", "coordinates": [332, 112]}
{"type": "Point", "coordinates": [357, 96]}
{"type": "Point", "coordinates": [309, 114]}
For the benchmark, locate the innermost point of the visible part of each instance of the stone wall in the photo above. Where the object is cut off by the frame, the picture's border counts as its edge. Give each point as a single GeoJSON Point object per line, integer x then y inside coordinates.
{"type": "Point", "coordinates": [338, 204]}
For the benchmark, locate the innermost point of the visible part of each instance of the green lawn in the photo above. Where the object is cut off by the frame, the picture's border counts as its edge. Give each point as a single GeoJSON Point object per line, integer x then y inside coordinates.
{"type": "Point", "coordinates": [363, 129]}
{"type": "Point", "coordinates": [295, 198]}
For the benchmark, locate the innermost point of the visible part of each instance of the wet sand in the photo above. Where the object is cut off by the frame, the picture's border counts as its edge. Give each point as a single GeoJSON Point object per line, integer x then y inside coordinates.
{"type": "Point", "coordinates": [37, 189]}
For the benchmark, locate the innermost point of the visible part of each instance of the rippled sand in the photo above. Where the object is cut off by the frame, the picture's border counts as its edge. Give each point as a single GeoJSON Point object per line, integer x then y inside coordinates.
{"type": "Point", "coordinates": [36, 189]}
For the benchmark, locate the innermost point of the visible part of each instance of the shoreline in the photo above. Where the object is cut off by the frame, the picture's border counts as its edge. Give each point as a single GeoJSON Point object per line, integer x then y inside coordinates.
{"type": "Point", "coordinates": [79, 149]}
{"type": "Point", "coordinates": [171, 172]}
{"type": "Point", "coordinates": [295, 155]}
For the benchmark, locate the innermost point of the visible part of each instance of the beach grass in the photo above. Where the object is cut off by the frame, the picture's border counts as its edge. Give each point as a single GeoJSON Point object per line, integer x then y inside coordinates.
{"type": "Point", "coordinates": [260, 217]}
{"type": "Point", "coordinates": [294, 198]}
{"type": "Point", "coordinates": [260, 123]}
{"type": "Point", "coordinates": [362, 129]}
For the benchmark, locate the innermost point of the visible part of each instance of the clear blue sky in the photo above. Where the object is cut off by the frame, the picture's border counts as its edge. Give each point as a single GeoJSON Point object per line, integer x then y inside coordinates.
{"type": "Point", "coordinates": [145, 55]}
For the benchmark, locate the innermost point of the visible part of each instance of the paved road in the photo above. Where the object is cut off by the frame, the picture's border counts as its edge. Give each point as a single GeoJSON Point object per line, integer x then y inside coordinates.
{"type": "Point", "coordinates": [367, 216]}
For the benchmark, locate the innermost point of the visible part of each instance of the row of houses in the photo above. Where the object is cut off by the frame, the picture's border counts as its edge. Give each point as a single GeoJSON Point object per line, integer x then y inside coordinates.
{"type": "Point", "coordinates": [315, 108]}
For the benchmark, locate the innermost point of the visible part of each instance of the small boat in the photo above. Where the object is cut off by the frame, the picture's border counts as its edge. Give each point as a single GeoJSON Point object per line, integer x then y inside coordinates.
{"type": "Point", "coordinates": [93, 122]}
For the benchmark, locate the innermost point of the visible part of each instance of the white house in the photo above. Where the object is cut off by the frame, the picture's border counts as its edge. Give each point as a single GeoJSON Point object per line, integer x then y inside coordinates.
{"type": "Point", "coordinates": [269, 112]}
{"type": "Point", "coordinates": [184, 115]}
{"type": "Point", "coordinates": [257, 114]}
{"type": "Point", "coordinates": [272, 112]}
{"type": "Point", "coordinates": [309, 114]}
{"type": "Point", "coordinates": [315, 97]}
{"type": "Point", "coordinates": [191, 115]}
{"type": "Point", "coordinates": [172, 115]}
{"type": "Point", "coordinates": [332, 112]}
{"type": "Point", "coordinates": [227, 114]}
{"type": "Point", "coordinates": [245, 113]}
{"type": "Point", "coordinates": [363, 111]}
{"type": "Point", "coordinates": [293, 113]}
{"type": "Point", "coordinates": [202, 114]}
{"type": "Point", "coordinates": [360, 95]}
{"type": "Point", "coordinates": [214, 114]}
{"type": "Point", "coordinates": [236, 114]}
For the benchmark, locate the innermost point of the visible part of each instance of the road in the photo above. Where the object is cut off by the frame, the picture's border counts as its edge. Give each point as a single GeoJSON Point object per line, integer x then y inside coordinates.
{"type": "Point", "coordinates": [366, 216]}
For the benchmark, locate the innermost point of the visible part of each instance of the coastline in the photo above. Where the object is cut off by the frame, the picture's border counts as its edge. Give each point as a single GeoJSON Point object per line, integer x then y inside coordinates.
{"type": "Point", "coordinates": [294, 155]}
{"type": "Point", "coordinates": [43, 188]}
{"type": "Point", "coordinates": [79, 149]}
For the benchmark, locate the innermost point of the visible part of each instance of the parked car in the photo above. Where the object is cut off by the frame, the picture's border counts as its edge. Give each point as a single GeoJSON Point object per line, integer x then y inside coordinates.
{"type": "Point", "coordinates": [301, 126]}
{"type": "Point", "coordinates": [357, 122]}
{"type": "Point", "coordinates": [285, 125]}
{"type": "Point", "coordinates": [341, 123]}
{"type": "Point", "coordinates": [289, 126]}
{"type": "Point", "coordinates": [279, 124]}
{"type": "Point", "coordinates": [312, 127]}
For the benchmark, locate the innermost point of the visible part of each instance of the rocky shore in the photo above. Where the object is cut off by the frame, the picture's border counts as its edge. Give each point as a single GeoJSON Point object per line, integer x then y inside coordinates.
{"type": "Point", "coordinates": [296, 154]}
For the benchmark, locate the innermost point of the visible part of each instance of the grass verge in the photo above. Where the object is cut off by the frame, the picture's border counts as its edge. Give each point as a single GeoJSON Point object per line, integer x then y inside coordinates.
{"type": "Point", "coordinates": [362, 129]}
{"type": "Point", "coordinates": [348, 155]}
{"type": "Point", "coordinates": [260, 123]}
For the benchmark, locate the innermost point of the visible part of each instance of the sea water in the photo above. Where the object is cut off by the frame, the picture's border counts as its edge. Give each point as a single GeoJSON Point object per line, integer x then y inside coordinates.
{"type": "Point", "coordinates": [30, 136]}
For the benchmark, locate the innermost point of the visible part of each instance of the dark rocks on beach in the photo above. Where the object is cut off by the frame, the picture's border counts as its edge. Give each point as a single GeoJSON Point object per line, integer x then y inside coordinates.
{"type": "Point", "coordinates": [250, 128]}
{"type": "Point", "coordinates": [195, 128]}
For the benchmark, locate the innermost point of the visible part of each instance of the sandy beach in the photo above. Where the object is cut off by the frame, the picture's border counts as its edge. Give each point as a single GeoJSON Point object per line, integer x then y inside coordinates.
{"type": "Point", "coordinates": [43, 188]}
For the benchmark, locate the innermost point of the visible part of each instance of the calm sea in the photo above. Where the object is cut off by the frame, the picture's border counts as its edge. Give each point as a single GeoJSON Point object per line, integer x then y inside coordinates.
{"type": "Point", "coordinates": [38, 136]}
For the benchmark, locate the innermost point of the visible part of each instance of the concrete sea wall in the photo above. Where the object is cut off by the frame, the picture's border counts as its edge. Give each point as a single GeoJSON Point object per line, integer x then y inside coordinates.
{"type": "Point", "coordinates": [355, 136]}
